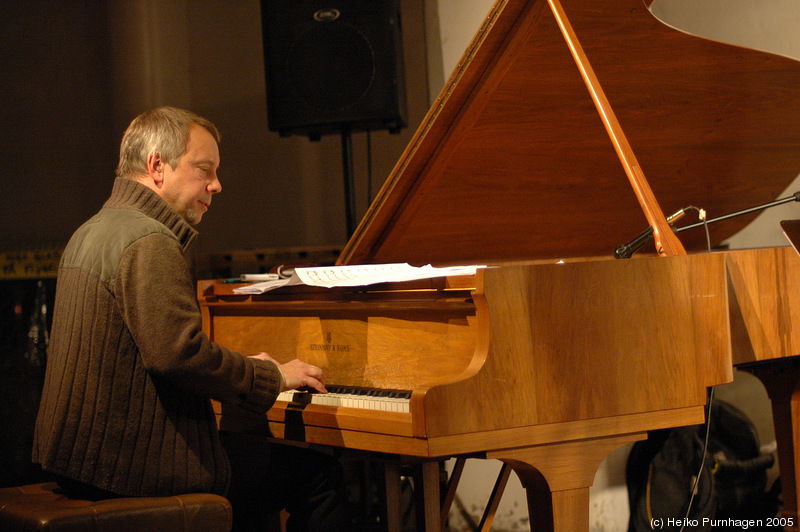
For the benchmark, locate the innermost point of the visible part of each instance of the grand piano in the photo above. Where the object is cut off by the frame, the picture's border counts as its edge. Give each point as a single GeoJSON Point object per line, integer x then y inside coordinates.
{"type": "Point", "coordinates": [567, 127]}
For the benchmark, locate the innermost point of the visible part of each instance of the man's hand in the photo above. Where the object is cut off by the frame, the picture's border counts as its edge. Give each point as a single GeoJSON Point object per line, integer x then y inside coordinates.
{"type": "Point", "coordinates": [298, 374]}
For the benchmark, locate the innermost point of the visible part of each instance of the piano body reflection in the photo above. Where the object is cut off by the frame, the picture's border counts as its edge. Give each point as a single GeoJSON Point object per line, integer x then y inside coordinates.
{"type": "Point", "coordinates": [536, 150]}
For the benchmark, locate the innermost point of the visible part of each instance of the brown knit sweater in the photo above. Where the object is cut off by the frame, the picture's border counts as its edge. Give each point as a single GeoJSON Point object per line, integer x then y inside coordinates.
{"type": "Point", "coordinates": [125, 405]}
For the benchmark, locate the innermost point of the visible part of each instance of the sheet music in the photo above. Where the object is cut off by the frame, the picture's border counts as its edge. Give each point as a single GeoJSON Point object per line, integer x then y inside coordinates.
{"type": "Point", "coordinates": [356, 275]}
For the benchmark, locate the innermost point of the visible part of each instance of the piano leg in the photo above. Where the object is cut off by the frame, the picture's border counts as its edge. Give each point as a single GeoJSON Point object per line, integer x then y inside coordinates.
{"type": "Point", "coordinates": [557, 478]}
{"type": "Point", "coordinates": [428, 507]}
{"type": "Point", "coordinates": [428, 498]}
{"type": "Point", "coordinates": [781, 378]}
{"type": "Point", "coordinates": [394, 519]}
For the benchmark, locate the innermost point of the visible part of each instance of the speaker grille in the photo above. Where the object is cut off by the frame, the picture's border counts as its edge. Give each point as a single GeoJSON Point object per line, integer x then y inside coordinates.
{"type": "Point", "coordinates": [332, 67]}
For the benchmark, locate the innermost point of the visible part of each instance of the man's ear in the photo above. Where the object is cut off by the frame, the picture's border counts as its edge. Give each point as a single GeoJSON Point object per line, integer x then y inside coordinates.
{"type": "Point", "coordinates": [155, 168]}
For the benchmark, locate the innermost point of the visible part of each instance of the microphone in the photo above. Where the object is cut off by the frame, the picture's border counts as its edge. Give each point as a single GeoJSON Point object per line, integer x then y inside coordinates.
{"type": "Point", "coordinates": [625, 251]}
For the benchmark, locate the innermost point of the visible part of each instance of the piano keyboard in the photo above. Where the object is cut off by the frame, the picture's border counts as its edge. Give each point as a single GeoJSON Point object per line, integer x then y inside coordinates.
{"type": "Point", "coordinates": [366, 398]}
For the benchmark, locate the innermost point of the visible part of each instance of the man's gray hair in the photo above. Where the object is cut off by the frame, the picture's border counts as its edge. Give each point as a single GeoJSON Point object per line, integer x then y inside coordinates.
{"type": "Point", "coordinates": [163, 131]}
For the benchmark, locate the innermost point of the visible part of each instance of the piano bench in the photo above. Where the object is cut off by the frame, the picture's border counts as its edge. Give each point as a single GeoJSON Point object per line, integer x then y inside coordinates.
{"type": "Point", "coordinates": [45, 507]}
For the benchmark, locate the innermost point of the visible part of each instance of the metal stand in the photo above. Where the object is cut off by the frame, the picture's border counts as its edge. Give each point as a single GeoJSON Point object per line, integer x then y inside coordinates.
{"type": "Point", "coordinates": [349, 192]}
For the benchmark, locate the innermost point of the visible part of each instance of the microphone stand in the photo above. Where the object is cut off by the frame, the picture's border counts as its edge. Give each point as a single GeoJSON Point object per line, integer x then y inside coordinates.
{"type": "Point", "coordinates": [625, 251]}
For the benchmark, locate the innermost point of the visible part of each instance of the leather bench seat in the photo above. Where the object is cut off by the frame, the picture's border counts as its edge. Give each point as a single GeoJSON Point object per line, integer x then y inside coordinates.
{"type": "Point", "coordinates": [44, 507]}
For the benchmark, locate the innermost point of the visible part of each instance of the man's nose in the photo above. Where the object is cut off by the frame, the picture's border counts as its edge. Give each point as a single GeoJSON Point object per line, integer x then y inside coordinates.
{"type": "Point", "coordinates": [215, 186]}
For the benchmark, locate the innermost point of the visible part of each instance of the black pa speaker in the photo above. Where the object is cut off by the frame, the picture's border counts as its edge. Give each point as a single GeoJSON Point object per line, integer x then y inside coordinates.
{"type": "Point", "coordinates": [333, 66]}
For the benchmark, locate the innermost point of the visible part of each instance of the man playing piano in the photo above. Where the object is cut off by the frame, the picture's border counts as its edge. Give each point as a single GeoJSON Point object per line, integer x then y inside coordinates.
{"type": "Point", "coordinates": [126, 409]}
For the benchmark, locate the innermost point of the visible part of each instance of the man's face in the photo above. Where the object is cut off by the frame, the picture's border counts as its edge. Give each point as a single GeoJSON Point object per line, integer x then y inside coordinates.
{"type": "Point", "coordinates": [188, 187]}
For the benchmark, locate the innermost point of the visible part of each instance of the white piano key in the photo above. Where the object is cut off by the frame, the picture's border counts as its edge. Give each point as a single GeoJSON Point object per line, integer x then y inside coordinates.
{"type": "Point", "coordinates": [350, 399]}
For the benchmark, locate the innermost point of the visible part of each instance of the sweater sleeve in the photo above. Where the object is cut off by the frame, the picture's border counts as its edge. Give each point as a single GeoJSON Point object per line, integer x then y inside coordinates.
{"type": "Point", "coordinates": [156, 297]}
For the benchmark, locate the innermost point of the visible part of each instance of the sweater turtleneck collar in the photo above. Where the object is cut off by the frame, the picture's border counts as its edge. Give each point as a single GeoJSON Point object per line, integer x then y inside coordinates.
{"type": "Point", "coordinates": [130, 194]}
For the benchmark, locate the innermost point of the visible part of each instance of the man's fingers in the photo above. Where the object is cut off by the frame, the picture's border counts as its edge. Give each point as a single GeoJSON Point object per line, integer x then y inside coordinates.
{"type": "Point", "coordinates": [298, 374]}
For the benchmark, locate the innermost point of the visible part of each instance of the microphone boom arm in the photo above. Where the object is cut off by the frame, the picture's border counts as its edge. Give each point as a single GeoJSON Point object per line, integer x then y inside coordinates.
{"type": "Point", "coordinates": [788, 199]}
{"type": "Point", "coordinates": [625, 251]}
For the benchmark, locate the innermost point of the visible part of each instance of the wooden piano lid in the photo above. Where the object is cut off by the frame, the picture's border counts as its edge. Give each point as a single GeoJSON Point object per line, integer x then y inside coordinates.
{"type": "Point", "coordinates": [513, 162]}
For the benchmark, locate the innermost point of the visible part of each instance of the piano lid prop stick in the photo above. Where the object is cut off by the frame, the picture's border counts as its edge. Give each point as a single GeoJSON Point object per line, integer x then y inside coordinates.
{"type": "Point", "coordinates": [666, 241]}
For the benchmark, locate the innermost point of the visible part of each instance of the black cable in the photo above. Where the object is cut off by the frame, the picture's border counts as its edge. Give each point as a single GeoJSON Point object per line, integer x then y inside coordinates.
{"type": "Point", "coordinates": [702, 461]}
